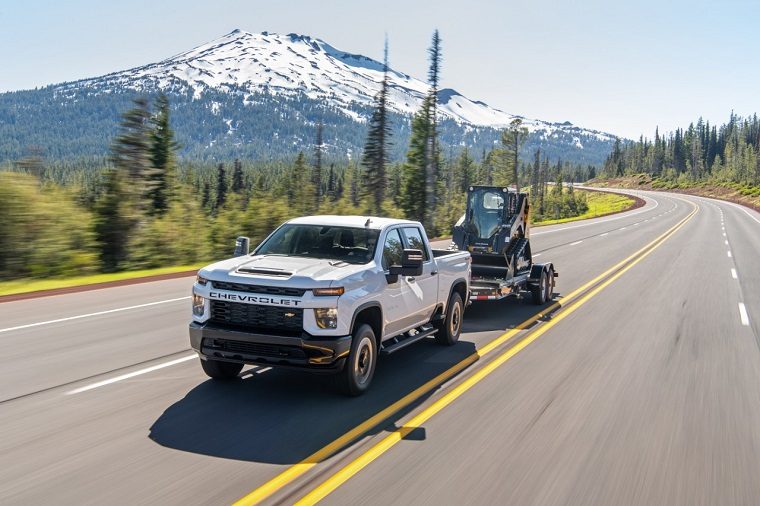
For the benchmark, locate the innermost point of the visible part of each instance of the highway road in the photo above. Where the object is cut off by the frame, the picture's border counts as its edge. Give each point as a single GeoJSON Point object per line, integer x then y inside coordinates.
{"type": "Point", "coordinates": [639, 384]}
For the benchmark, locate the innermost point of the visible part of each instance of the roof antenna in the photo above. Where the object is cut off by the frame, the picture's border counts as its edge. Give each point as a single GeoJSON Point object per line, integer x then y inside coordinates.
{"type": "Point", "coordinates": [366, 224]}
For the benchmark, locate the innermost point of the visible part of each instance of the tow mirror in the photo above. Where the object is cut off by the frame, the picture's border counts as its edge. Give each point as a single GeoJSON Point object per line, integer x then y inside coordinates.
{"type": "Point", "coordinates": [242, 246]}
{"type": "Point", "coordinates": [411, 264]}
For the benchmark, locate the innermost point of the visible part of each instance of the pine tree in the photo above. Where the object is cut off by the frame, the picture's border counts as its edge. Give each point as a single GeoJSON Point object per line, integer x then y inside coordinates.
{"type": "Point", "coordinates": [511, 140]}
{"type": "Point", "coordinates": [221, 187]}
{"type": "Point", "coordinates": [431, 144]}
{"type": "Point", "coordinates": [114, 221]}
{"type": "Point", "coordinates": [375, 156]}
{"type": "Point", "coordinates": [206, 195]}
{"type": "Point", "coordinates": [237, 176]}
{"type": "Point", "coordinates": [534, 174]}
{"type": "Point", "coordinates": [130, 153]}
{"type": "Point", "coordinates": [414, 174]}
{"type": "Point", "coordinates": [162, 158]}
{"type": "Point", "coordinates": [303, 193]}
{"type": "Point", "coordinates": [331, 183]}
{"type": "Point", "coordinates": [317, 175]}
{"type": "Point", "coordinates": [33, 162]}
{"type": "Point", "coordinates": [466, 170]}
{"type": "Point", "coordinates": [488, 168]}
{"type": "Point", "coordinates": [543, 177]}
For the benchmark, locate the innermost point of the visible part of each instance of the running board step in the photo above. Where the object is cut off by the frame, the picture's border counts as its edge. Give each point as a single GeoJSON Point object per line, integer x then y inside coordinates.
{"type": "Point", "coordinates": [403, 341]}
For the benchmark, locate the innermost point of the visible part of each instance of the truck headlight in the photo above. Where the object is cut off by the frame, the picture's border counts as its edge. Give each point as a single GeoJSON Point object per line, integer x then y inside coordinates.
{"type": "Point", "coordinates": [199, 305]}
{"type": "Point", "coordinates": [327, 317]}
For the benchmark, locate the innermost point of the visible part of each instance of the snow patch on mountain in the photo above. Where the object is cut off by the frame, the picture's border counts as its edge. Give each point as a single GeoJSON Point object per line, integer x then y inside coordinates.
{"type": "Point", "coordinates": [293, 65]}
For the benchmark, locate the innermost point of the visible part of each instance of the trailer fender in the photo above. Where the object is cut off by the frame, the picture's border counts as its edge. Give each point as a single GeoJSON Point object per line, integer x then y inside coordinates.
{"type": "Point", "coordinates": [537, 269]}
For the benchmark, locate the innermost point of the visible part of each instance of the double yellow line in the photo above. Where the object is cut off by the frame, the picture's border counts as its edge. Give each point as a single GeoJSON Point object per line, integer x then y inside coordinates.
{"type": "Point", "coordinates": [342, 475]}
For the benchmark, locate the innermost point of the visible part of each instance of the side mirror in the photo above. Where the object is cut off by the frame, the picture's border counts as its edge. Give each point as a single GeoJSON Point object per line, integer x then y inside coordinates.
{"type": "Point", "coordinates": [411, 264]}
{"type": "Point", "coordinates": [242, 246]}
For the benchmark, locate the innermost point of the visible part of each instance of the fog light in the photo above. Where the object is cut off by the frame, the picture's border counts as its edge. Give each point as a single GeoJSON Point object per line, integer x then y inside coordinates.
{"type": "Point", "coordinates": [199, 305]}
{"type": "Point", "coordinates": [327, 317]}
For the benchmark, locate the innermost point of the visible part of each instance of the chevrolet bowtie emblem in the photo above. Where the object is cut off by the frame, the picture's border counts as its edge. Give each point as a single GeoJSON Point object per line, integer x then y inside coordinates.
{"type": "Point", "coordinates": [290, 315]}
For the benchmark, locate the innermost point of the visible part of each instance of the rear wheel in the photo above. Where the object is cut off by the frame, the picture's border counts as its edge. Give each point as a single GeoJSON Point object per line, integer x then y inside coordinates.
{"type": "Point", "coordinates": [544, 290]}
{"type": "Point", "coordinates": [360, 366]}
{"type": "Point", "coordinates": [450, 327]}
{"type": "Point", "coordinates": [221, 370]}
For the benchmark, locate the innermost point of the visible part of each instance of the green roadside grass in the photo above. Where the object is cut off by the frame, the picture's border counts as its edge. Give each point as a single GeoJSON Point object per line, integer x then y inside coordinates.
{"type": "Point", "coordinates": [19, 286]}
{"type": "Point", "coordinates": [599, 204]}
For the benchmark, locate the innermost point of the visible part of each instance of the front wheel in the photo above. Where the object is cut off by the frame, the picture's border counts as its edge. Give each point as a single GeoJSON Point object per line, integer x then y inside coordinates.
{"type": "Point", "coordinates": [221, 370]}
{"type": "Point", "coordinates": [450, 327]}
{"type": "Point", "coordinates": [357, 374]}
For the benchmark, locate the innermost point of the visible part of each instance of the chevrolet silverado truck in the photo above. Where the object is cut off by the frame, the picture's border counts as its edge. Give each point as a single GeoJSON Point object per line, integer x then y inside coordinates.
{"type": "Point", "coordinates": [328, 294]}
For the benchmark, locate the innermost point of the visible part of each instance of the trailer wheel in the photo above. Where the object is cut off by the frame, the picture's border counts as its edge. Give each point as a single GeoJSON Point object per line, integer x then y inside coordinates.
{"type": "Point", "coordinates": [357, 374]}
{"type": "Point", "coordinates": [450, 327]}
{"type": "Point", "coordinates": [220, 370]}
{"type": "Point", "coordinates": [544, 290]}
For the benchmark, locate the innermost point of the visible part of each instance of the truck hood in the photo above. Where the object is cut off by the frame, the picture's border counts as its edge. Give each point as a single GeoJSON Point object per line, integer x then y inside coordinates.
{"type": "Point", "coordinates": [273, 270]}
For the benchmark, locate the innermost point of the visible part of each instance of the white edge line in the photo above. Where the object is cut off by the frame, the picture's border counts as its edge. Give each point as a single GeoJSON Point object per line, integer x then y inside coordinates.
{"type": "Point", "coordinates": [131, 375]}
{"type": "Point", "coordinates": [59, 320]}
{"type": "Point", "coordinates": [743, 314]}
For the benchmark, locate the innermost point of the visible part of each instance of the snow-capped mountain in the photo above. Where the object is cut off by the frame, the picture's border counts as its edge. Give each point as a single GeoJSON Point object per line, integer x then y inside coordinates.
{"type": "Point", "coordinates": [292, 65]}
{"type": "Point", "coordinates": [260, 95]}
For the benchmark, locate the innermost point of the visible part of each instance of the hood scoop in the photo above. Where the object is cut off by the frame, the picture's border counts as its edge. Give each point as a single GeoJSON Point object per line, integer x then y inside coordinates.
{"type": "Point", "coordinates": [265, 271]}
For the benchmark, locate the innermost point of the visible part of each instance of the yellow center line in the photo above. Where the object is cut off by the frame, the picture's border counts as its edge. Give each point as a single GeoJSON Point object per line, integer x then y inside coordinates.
{"type": "Point", "coordinates": [349, 470]}
{"type": "Point", "coordinates": [296, 470]}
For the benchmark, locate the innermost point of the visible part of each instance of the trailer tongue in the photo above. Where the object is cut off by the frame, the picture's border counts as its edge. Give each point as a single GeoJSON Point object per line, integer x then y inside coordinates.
{"type": "Point", "coordinates": [495, 230]}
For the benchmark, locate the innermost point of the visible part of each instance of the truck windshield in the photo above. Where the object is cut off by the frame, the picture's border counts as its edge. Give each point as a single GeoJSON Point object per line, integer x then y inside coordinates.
{"type": "Point", "coordinates": [347, 244]}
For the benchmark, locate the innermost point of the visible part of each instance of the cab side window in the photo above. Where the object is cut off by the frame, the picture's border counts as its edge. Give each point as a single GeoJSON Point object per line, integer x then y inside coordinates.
{"type": "Point", "coordinates": [414, 240]}
{"type": "Point", "coordinates": [392, 249]}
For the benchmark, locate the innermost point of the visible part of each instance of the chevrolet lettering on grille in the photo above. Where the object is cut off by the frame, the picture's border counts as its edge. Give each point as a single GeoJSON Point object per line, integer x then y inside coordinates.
{"type": "Point", "coordinates": [253, 299]}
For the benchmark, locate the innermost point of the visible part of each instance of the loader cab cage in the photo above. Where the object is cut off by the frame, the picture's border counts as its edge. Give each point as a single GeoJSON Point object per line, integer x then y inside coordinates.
{"type": "Point", "coordinates": [485, 211]}
{"type": "Point", "coordinates": [489, 208]}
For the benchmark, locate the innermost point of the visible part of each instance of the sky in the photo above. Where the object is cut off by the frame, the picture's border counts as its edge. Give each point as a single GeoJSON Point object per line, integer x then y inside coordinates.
{"type": "Point", "coordinates": [619, 67]}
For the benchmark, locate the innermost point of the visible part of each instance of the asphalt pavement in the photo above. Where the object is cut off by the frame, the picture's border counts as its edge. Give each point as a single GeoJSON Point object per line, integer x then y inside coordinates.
{"type": "Point", "coordinates": [641, 389]}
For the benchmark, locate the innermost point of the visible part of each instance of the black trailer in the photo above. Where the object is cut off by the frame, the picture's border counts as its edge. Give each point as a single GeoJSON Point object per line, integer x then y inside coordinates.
{"type": "Point", "coordinates": [495, 229]}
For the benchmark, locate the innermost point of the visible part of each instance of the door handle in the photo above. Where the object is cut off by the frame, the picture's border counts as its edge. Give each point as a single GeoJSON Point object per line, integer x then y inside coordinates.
{"type": "Point", "coordinates": [434, 273]}
{"type": "Point", "coordinates": [411, 279]}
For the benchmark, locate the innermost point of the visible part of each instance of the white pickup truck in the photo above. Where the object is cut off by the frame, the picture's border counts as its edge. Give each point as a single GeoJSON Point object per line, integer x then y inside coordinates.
{"type": "Point", "coordinates": [328, 293]}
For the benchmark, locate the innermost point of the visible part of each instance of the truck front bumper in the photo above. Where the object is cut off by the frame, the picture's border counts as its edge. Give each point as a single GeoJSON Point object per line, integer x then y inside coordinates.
{"type": "Point", "coordinates": [302, 352]}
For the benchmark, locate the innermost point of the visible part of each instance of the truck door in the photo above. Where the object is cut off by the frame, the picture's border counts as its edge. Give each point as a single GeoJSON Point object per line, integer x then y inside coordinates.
{"type": "Point", "coordinates": [424, 286]}
{"type": "Point", "coordinates": [402, 299]}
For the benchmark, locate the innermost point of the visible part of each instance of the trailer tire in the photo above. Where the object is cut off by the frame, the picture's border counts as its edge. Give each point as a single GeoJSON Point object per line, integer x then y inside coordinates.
{"type": "Point", "coordinates": [450, 327]}
{"type": "Point", "coordinates": [357, 374]}
{"type": "Point", "coordinates": [220, 370]}
{"type": "Point", "coordinates": [544, 290]}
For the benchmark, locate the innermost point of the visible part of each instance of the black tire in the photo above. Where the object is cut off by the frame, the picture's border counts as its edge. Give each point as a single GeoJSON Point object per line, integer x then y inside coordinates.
{"type": "Point", "coordinates": [357, 374]}
{"type": "Point", "coordinates": [544, 290]}
{"type": "Point", "coordinates": [219, 370]}
{"type": "Point", "coordinates": [450, 327]}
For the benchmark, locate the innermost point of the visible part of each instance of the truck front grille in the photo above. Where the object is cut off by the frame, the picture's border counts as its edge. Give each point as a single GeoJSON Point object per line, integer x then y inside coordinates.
{"type": "Point", "coordinates": [269, 290]}
{"type": "Point", "coordinates": [263, 319]}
